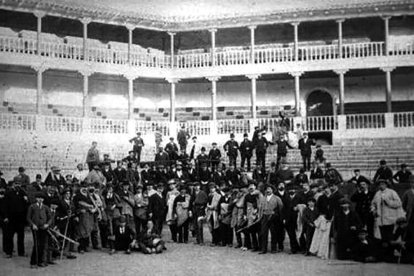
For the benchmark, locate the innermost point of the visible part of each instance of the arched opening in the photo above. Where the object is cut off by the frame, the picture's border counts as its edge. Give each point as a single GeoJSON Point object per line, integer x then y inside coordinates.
{"type": "Point", "coordinates": [319, 103]}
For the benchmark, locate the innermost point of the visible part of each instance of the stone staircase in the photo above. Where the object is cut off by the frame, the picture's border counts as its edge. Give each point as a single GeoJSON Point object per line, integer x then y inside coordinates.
{"type": "Point", "coordinates": [37, 152]}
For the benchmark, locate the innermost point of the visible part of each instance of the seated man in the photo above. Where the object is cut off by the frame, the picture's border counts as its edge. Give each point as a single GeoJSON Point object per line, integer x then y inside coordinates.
{"type": "Point", "coordinates": [366, 249]}
{"type": "Point", "coordinates": [123, 236]}
{"type": "Point", "coordinates": [150, 242]}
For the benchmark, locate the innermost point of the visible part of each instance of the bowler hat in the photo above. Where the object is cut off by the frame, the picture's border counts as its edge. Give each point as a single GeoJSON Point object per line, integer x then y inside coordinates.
{"type": "Point", "coordinates": [344, 201]}
{"type": "Point", "coordinates": [40, 195]}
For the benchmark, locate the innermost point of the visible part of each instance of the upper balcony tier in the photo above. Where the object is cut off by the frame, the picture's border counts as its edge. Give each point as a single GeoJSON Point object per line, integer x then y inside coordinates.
{"type": "Point", "coordinates": [225, 61]}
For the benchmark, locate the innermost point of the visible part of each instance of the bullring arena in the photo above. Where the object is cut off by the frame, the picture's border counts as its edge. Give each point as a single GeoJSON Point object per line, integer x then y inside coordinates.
{"type": "Point", "coordinates": [76, 72]}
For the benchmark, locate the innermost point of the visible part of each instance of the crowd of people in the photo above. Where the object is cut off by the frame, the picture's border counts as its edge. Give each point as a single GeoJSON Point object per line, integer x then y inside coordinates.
{"type": "Point", "coordinates": [124, 205]}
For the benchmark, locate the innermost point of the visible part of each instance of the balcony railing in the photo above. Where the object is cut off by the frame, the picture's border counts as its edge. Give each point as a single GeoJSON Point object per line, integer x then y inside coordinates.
{"type": "Point", "coordinates": [76, 125]}
{"type": "Point", "coordinates": [229, 57]}
{"type": "Point", "coordinates": [404, 119]}
{"type": "Point", "coordinates": [364, 121]}
{"type": "Point", "coordinates": [321, 123]}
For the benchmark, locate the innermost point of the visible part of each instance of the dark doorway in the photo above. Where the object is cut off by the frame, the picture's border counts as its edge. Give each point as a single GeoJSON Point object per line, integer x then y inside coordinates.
{"type": "Point", "coordinates": [319, 103]}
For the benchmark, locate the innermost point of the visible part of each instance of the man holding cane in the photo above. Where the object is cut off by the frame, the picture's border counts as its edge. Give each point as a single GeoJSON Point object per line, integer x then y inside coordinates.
{"type": "Point", "coordinates": [39, 219]}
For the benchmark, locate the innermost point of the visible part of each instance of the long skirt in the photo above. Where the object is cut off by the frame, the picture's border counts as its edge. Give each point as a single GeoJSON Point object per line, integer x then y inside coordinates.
{"type": "Point", "coordinates": [320, 240]}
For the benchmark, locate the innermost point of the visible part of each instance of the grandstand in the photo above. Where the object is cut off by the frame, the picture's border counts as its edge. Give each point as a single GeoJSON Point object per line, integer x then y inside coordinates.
{"type": "Point", "coordinates": [343, 70]}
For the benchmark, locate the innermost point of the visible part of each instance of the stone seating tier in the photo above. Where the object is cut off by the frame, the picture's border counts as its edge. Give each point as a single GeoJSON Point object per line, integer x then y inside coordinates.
{"type": "Point", "coordinates": [38, 152]}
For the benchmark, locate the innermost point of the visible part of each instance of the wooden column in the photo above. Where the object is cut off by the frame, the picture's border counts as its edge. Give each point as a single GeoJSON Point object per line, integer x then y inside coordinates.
{"type": "Point", "coordinates": [173, 82]}
{"type": "Point", "coordinates": [172, 48]}
{"type": "Point", "coordinates": [295, 40]}
{"type": "Point", "coordinates": [39, 16]}
{"type": "Point", "coordinates": [387, 34]}
{"type": "Point", "coordinates": [130, 78]}
{"type": "Point", "coordinates": [86, 73]}
{"type": "Point", "coordinates": [297, 75]}
{"type": "Point", "coordinates": [40, 69]}
{"type": "Point", "coordinates": [130, 29]}
{"type": "Point", "coordinates": [388, 88]}
{"type": "Point", "coordinates": [213, 47]}
{"type": "Point", "coordinates": [340, 36]}
{"type": "Point", "coordinates": [213, 81]}
{"type": "Point", "coordinates": [252, 43]}
{"type": "Point", "coordinates": [341, 76]}
{"type": "Point", "coordinates": [85, 22]}
{"type": "Point", "coordinates": [253, 97]}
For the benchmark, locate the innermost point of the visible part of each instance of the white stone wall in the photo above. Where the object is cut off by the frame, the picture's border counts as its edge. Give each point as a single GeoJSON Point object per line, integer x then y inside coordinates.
{"type": "Point", "coordinates": [111, 92]}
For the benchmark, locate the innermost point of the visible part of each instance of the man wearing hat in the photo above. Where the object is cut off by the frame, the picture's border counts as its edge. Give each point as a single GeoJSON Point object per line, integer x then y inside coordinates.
{"type": "Point", "coordinates": [138, 144]}
{"type": "Point", "coordinates": [270, 214]}
{"type": "Point", "coordinates": [92, 157]}
{"type": "Point", "coordinates": [402, 176]}
{"type": "Point", "coordinates": [182, 138]}
{"type": "Point", "coordinates": [408, 206]}
{"type": "Point", "coordinates": [261, 146]}
{"type": "Point", "coordinates": [214, 156]}
{"type": "Point", "coordinates": [3, 183]}
{"type": "Point", "coordinates": [80, 174]}
{"type": "Point", "coordinates": [251, 211]}
{"type": "Point", "coordinates": [96, 176]}
{"type": "Point", "coordinates": [182, 212]}
{"type": "Point", "coordinates": [198, 204]}
{"type": "Point", "coordinates": [16, 202]}
{"type": "Point", "coordinates": [195, 148]}
{"type": "Point", "coordinates": [282, 149]}
{"type": "Point", "coordinates": [346, 223]}
{"type": "Point", "coordinates": [127, 204]}
{"type": "Point", "coordinates": [54, 178]}
{"type": "Point", "coordinates": [231, 147]}
{"type": "Point", "coordinates": [291, 216]}
{"type": "Point", "coordinates": [362, 199]}
{"type": "Point", "coordinates": [246, 151]}
{"type": "Point", "coordinates": [383, 172]}
{"type": "Point", "coordinates": [130, 158]}
{"type": "Point", "coordinates": [39, 218]}
{"type": "Point", "coordinates": [157, 208]}
{"type": "Point", "coordinates": [162, 157]}
{"type": "Point", "coordinates": [65, 219]}
{"type": "Point", "coordinates": [22, 178]}
{"type": "Point", "coordinates": [212, 214]}
{"type": "Point", "coordinates": [123, 236]}
{"type": "Point", "coordinates": [366, 249]}
{"type": "Point", "coordinates": [202, 159]}
{"type": "Point", "coordinates": [386, 207]}
{"type": "Point", "coordinates": [172, 149]}
{"type": "Point", "coordinates": [305, 146]}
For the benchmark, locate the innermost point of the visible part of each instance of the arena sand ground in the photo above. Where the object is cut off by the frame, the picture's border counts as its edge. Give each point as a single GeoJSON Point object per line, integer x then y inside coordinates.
{"type": "Point", "coordinates": [189, 259]}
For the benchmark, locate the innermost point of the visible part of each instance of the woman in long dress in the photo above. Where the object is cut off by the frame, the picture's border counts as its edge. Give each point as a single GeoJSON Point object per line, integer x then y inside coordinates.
{"type": "Point", "coordinates": [320, 241]}
{"type": "Point", "coordinates": [171, 221]}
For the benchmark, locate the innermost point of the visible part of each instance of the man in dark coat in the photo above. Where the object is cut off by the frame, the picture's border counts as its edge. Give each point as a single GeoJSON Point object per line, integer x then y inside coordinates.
{"type": "Point", "coordinates": [199, 200]}
{"type": "Point", "coordinates": [362, 199]}
{"type": "Point", "coordinates": [172, 149]}
{"type": "Point", "coordinates": [157, 207]}
{"type": "Point", "coordinates": [291, 218]}
{"type": "Point", "coordinates": [138, 143]}
{"type": "Point", "coordinates": [182, 138]}
{"type": "Point", "coordinates": [282, 149]}
{"type": "Point", "coordinates": [284, 196]}
{"type": "Point", "coordinates": [305, 146]}
{"type": "Point", "coordinates": [214, 156]}
{"type": "Point", "coordinates": [383, 172]}
{"type": "Point", "coordinates": [119, 174]}
{"type": "Point", "coordinates": [16, 203]}
{"type": "Point", "coordinates": [123, 236]}
{"type": "Point", "coordinates": [261, 146]}
{"type": "Point", "coordinates": [54, 178]}
{"type": "Point", "coordinates": [232, 176]}
{"type": "Point", "coordinates": [22, 178]}
{"type": "Point", "coordinates": [346, 224]}
{"type": "Point", "coordinates": [246, 151]}
{"type": "Point", "coordinates": [39, 219]}
{"type": "Point", "coordinates": [162, 157]}
{"type": "Point", "coordinates": [231, 147]}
